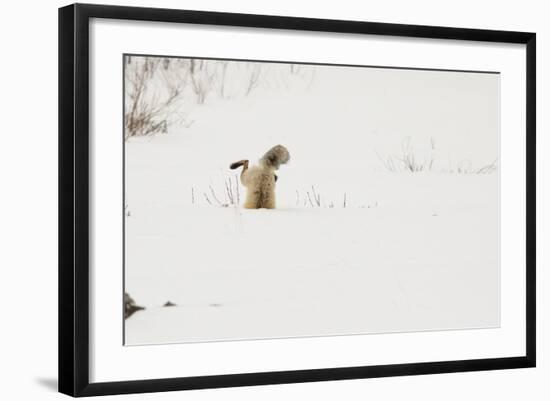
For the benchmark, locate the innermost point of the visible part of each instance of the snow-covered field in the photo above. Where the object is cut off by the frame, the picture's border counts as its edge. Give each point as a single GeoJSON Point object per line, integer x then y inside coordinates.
{"type": "Point", "coordinates": [403, 252]}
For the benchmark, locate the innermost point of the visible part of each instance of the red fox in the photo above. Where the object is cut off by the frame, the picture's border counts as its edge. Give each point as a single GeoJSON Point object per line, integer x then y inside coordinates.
{"type": "Point", "coordinates": [259, 180]}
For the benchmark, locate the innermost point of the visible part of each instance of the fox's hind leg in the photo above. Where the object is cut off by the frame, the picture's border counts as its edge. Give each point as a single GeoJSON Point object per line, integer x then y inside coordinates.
{"type": "Point", "coordinates": [238, 164]}
{"type": "Point", "coordinates": [266, 192]}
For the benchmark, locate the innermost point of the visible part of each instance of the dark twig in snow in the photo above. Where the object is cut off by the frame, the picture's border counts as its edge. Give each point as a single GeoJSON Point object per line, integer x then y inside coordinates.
{"type": "Point", "coordinates": [229, 191]}
{"type": "Point", "coordinates": [309, 198]}
{"type": "Point", "coordinates": [213, 193]}
{"type": "Point", "coordinates": [237, 189]}
{"type": "Point", "coordinates": [316, 196]}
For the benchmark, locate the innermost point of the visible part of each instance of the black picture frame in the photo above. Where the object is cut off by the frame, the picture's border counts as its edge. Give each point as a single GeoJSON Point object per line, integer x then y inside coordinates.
{"type": "Point", "coordinates": [74, 194]}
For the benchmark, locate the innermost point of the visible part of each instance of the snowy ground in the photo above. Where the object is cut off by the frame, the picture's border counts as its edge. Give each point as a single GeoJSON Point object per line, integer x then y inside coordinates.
{"type": "Point", "coordinates": [408, 252]}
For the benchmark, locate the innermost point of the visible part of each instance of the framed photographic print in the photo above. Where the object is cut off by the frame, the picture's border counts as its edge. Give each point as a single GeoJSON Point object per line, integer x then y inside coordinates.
{"type": "Point", "coordinates": [250, 199]}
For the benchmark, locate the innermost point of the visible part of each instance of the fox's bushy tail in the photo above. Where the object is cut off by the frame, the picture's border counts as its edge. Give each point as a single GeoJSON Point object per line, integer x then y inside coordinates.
{"type": "Point", "coordinates": [275, 156]}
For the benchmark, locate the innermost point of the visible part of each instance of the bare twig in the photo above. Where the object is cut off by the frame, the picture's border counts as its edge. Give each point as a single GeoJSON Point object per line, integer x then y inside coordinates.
{"type": "Point", "coordinates": [316, 196]}
{"type": "Point", "coordinates": [229, 191]}
{"type": "Point", "coordinates": [237, 189]}
{"type": "Point", "coordinates": [409, 161]}
{"type": "Point", "coordinates": [254, 78]}
{"type": "Point", "coordinates": [489, 168]}
{"type": "Point", "coordinates": [213, 193]}
{"type": "Point", "coordinates": [309, 198]}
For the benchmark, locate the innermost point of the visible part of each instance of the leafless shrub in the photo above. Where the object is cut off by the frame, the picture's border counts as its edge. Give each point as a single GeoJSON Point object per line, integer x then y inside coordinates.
{"type": "Point", "coordinates": [232, 190]}
{"type": "Point", "coordinates": [229, 192]}
{"type": "Point", "coordinates": [410, 161]}
{"type": "Point", "coordinates": [157, 89]}
{"type": "Point", "coordinates": [466, 167]}
{"type": "Point", "coordinates": [254, 77]}
{"type": "Point", "coordinates": [148, 109]}
{"type": "Point", "coordinates": [316, 196]}
{"type": "Point", "coordinates": [202, 78]}
{"type": "Point", "coordinates": [223, 66]}
{"type": "Point", "coordinates": [488, 169]}
{"type": "Point", "coordinates": [313, 198]}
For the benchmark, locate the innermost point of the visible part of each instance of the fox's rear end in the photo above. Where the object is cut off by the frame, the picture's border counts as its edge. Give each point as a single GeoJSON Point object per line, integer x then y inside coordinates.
{"type": "Point", "coordinates": [260, 180]}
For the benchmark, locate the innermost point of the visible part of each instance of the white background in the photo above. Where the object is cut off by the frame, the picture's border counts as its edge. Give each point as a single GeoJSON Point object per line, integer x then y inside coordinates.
{"type": "Point", "coordinates": [29, 188]}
